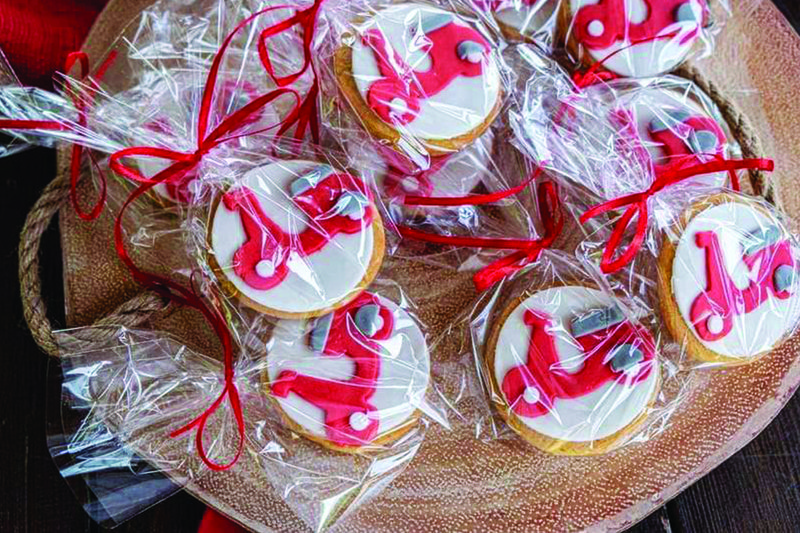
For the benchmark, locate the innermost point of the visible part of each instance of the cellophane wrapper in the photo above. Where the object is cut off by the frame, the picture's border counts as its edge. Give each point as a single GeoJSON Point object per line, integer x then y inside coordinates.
{"type": "Point", "coordinates": [635, 39]}
{"type": "Point", "coordinates": [417, 92]}
{"type": "Point", "coordinates": [534, 21]}
{"type": "Point", "coordinates": [570, 362]}
{"type": "Point", "coordinates": [619, 139]}
{"type": "Point", "coordinates": [727, 279]}
{"type": "Point", "coordinates": [330, 364]}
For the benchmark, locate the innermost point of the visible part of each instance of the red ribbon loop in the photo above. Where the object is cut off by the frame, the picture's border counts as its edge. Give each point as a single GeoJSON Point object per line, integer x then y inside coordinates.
{"type": "Point", "coordinates": [526, 250]}
{"type": "Point", "coordinates": [636, 204]}
{"type": "Point", "coordinates": [304, 115]}
{"type": "Point", "coordinates": [82, 106]}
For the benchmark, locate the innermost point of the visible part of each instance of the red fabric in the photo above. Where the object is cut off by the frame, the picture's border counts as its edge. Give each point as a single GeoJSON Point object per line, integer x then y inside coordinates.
{"type": "Point", "coordinates": [213, 522]}
{"type": "Point", "coordinates": [37, 35]}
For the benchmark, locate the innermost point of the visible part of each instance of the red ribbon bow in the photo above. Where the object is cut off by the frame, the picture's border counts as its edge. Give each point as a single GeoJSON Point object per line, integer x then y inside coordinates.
{"type": "Point", "coordinates": [527, 250]}
{"type": "Point", "coordinates": [303, 114]}
{"type": "Point", "coordinates": [636, 204]}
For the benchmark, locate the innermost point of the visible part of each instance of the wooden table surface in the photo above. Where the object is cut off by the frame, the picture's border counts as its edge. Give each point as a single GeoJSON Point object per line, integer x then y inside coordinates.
{"type": "Point", "coordinates": [758, 489]}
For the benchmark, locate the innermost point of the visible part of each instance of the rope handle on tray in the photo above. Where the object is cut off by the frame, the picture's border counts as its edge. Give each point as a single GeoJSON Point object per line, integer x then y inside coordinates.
{"type": "Point", "coordinates": [130, 314]}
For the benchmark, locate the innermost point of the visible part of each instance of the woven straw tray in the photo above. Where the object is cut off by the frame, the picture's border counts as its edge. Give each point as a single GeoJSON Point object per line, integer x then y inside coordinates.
{"type": "Point", "coordinates": [457, 482]}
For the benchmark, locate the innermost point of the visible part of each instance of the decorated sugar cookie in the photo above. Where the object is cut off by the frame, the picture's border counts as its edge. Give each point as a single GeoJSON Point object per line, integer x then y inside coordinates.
{"type": "Point", "coordinates": [634, 38]}
{"type": "Point", "coordinates": [174, 120]}
{"type": "Point", "coordinates": [416, 74]}
{"type": "Point", "coordinates": [522, 19]}
{"type": "Point", "coordinates": [295, 239]}
{"type": "Point", "coordinates": [353, 378]}
{"type": "Point", "coordinates": [572, 374]}
{"type": "Point", "coordinates": [729, 284]}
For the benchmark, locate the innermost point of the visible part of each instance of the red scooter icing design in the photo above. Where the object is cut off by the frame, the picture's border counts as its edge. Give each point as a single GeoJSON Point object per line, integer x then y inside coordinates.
{"type": "Point", "coordinates": [614, 350]}
{"type": "Point", "coordinates": [333, 202]}
{"type": "Point", "coordinates": [352, 331]}
{"type": "Point", "coordinates": [454, 51]}
{"type": "Point", "coordinates": [713, 310]}
{"type": "Point", "coordinates": [690, 140]}
{"type": "Point", "coordinates": [601, 25]}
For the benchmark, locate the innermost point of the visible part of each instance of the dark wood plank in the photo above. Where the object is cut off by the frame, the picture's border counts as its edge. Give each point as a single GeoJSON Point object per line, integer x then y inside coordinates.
{"type": "Point", "coordinates": [758, 489]}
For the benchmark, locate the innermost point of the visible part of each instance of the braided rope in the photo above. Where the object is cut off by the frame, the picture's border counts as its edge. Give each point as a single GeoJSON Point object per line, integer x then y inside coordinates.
{"type": "Point", "coordinates": [131, 314]}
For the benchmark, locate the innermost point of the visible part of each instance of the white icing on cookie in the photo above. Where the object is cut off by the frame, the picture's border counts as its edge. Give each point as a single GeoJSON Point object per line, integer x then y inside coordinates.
{"type": "Point", "coordinates": [660, 114]}
{"type": "Point", "coordinates": [735, 224]}
{"type": "Point", "coordinates": [314, 282]}
{"type": "Point", "coordinates": [399, 389]}
{"type": "Point", "coordinates": [649, 58]}
{"type": "Point", "coordinates": [459, 107]}
{"type": "Point", "coordinates": [599, 414]}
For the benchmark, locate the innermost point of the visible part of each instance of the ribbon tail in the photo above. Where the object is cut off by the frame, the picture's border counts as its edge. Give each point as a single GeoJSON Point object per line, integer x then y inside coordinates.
{"type": "Point", "coordinates": [489, 275]}
{"type": "Point", "coordinates": [608, 264]}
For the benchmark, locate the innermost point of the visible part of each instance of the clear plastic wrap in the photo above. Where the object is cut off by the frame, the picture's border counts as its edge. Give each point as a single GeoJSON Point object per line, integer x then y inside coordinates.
{"type": "Point", "coordinates": [277, 245]}
{"type": "Point", "coordinates": [639, 38]}
{"type": "Point", "coordinates": [522, 20]}
{"type": "Point", "coordinates": [632, 153]}
{"type": "Point", "coordinates": [417, 77]}
{"type": "Point", "coordinates": [728, 283]}
{"type": "Point", "coordinates": [571, 365]}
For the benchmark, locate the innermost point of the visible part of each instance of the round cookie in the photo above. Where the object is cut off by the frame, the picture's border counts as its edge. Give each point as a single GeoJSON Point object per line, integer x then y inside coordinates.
{"type": "Point", "coordinates": [175, 118]}
{"type": "Point", "coordinates": [351, 379]}
{"type": "Point", "coordinates": [633, 38]}
{"type": "Point", "coordinates": [571, 374]}
{"type": "Point", "coordinates": [418, 76]}
{"type": "Point", "coordinates": [295, 239]}
{"type": "Point", "coordinates": [632, 132]}
{"type": "Point", "coordinates": [728, 284]}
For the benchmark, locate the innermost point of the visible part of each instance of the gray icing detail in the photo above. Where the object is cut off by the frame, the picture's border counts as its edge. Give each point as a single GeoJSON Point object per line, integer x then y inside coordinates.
{"type": "Point", "coordinates": [596, 320]}
{"type": "Point", "coordinates": [434, 22]}
{"type": "Point", "coordinates": [320, 332]}
{"type": "Point", "coordinates": [669, 120]}
{"type": "Point", "coordinates": [703, 142]}
{"type": "Point", "coordinates": [309, 180]}
{"type": "Point", "coordinates": [466, 49]}
{"type": "Point", "coordinates": [351, 204]}
{"type": "Point", "coordinates": [368, 320]}
{"type": "Point", "coordinates": [760, 239]}
{"type": "Point", "coordinates": [685, 13]}
{"type": "Point", "coordinates": [625, 357]}
{"type": "Point", "coordinates": [784, 277]}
